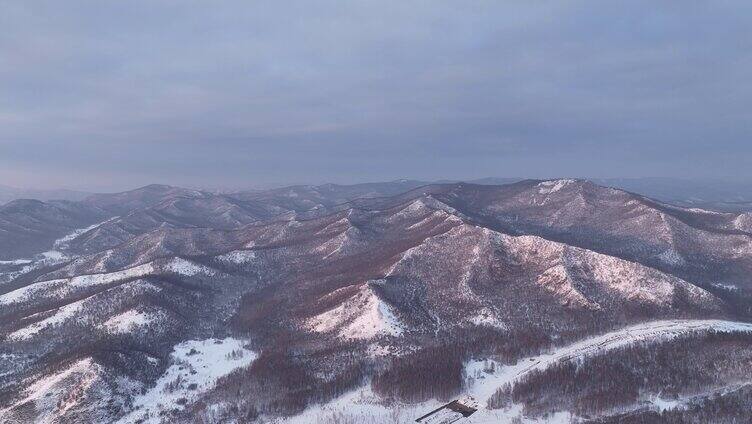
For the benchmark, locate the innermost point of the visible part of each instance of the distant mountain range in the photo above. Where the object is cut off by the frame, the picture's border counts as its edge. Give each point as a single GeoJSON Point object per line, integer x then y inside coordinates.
{"type": "Point", "coordinates": [11, 193]}
{"type": "Point", "coordinates": [726, 196]}
{"type": "Point", "coordinates": [545, 300]}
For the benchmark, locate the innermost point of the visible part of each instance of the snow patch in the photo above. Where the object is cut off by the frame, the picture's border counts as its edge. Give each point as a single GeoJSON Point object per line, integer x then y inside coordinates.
{"type": "Point", "coordinates": [197, 365]}
{"type": "Point", "coordinates": [705, 211]}
{"type": "Point", "coordinates": [664, 404]}
{"type": "Point", "coordinates": [435, 215]}
{"type": "Point", "coordinates": [672, 257]}
{"type": "Point", "coordinates": [238, 256]}
{"type": "Point", "coordinates": [363, 316]}
{"type": "Point", "coordinates": [187, 268]}
{"type": "Point", "coordinates": [552, 186]}
{"type": "Point", "coordinates": [127, 321]}
{"type": "Point", "coordinates": [727, 287]}
{"type": "Point", "coordinates": [486, 317]}
{"type": "Point", "coordinates": [16, 262]}
{"type": "Point", "coordinates": [53, 257]}
{"type": "Point", "coordinates": [100, 279]}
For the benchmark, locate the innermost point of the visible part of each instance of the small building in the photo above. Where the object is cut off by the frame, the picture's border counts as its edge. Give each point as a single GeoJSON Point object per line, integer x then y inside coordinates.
{"type": "Point", "coordinates": [451, 412]}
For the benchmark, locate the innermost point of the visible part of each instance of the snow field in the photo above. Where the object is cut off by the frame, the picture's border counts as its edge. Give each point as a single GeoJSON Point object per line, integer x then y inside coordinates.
{"type": "Point", "coordinates": [197, 365]}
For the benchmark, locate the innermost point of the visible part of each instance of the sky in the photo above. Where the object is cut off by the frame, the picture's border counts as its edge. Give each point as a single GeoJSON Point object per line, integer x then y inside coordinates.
{"type": "Point", "coordinates": [103, 96]}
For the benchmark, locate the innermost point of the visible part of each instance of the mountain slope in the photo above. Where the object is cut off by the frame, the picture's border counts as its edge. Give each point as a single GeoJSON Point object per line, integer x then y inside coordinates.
{"type": "Point", "coordinates": [28, 227]}
{"type": "Point", "coordinates": [343, 289]}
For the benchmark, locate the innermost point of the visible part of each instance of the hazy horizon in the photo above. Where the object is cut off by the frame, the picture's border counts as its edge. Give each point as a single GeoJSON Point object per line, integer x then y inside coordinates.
{"type": "Point", "coordinates": [105, 97]}
{"type": "Point", "coordinates": [240, 186]}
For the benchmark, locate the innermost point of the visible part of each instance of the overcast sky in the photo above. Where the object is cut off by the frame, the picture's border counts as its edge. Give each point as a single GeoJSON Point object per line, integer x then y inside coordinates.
{"type": "Point", "coordinates": [111, 95]}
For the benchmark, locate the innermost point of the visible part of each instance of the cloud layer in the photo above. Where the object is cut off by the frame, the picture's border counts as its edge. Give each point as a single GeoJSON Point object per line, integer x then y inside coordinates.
{"type": "Point", "coordinates": [108, 95]}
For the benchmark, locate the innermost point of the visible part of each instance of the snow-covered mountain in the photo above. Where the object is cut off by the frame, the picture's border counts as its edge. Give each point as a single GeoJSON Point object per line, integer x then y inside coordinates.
{"type": "Point", "coordinates": [371, 303]}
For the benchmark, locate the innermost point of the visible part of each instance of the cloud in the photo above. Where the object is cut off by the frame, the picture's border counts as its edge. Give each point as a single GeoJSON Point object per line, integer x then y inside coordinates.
{"type": "Point", "coordinates": [109, 95]}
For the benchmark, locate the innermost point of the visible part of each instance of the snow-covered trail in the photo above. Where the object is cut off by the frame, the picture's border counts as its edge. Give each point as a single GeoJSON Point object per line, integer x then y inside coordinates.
{"type": "Point", "coordinates": [651, 332]}
{"type": "Point", "coordinates": [363, 406]}
{"type": "Point", "coordinates": [64, 242]}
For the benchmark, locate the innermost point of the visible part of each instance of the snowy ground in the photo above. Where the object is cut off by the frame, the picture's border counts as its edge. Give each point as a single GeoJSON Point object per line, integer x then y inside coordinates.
{"type": "Point", "coordinates": [187, 268]}
{"type": "Point", "coordinates": [486, 376]}
{"type": "Point", "coordinates": [128, 321]}
{"type": "Point", "coordinates": [238, 256]}
{"type": "Point", "coordinates": [363, 316]}
{"type": "Point", "coordinates": [197, 364]}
